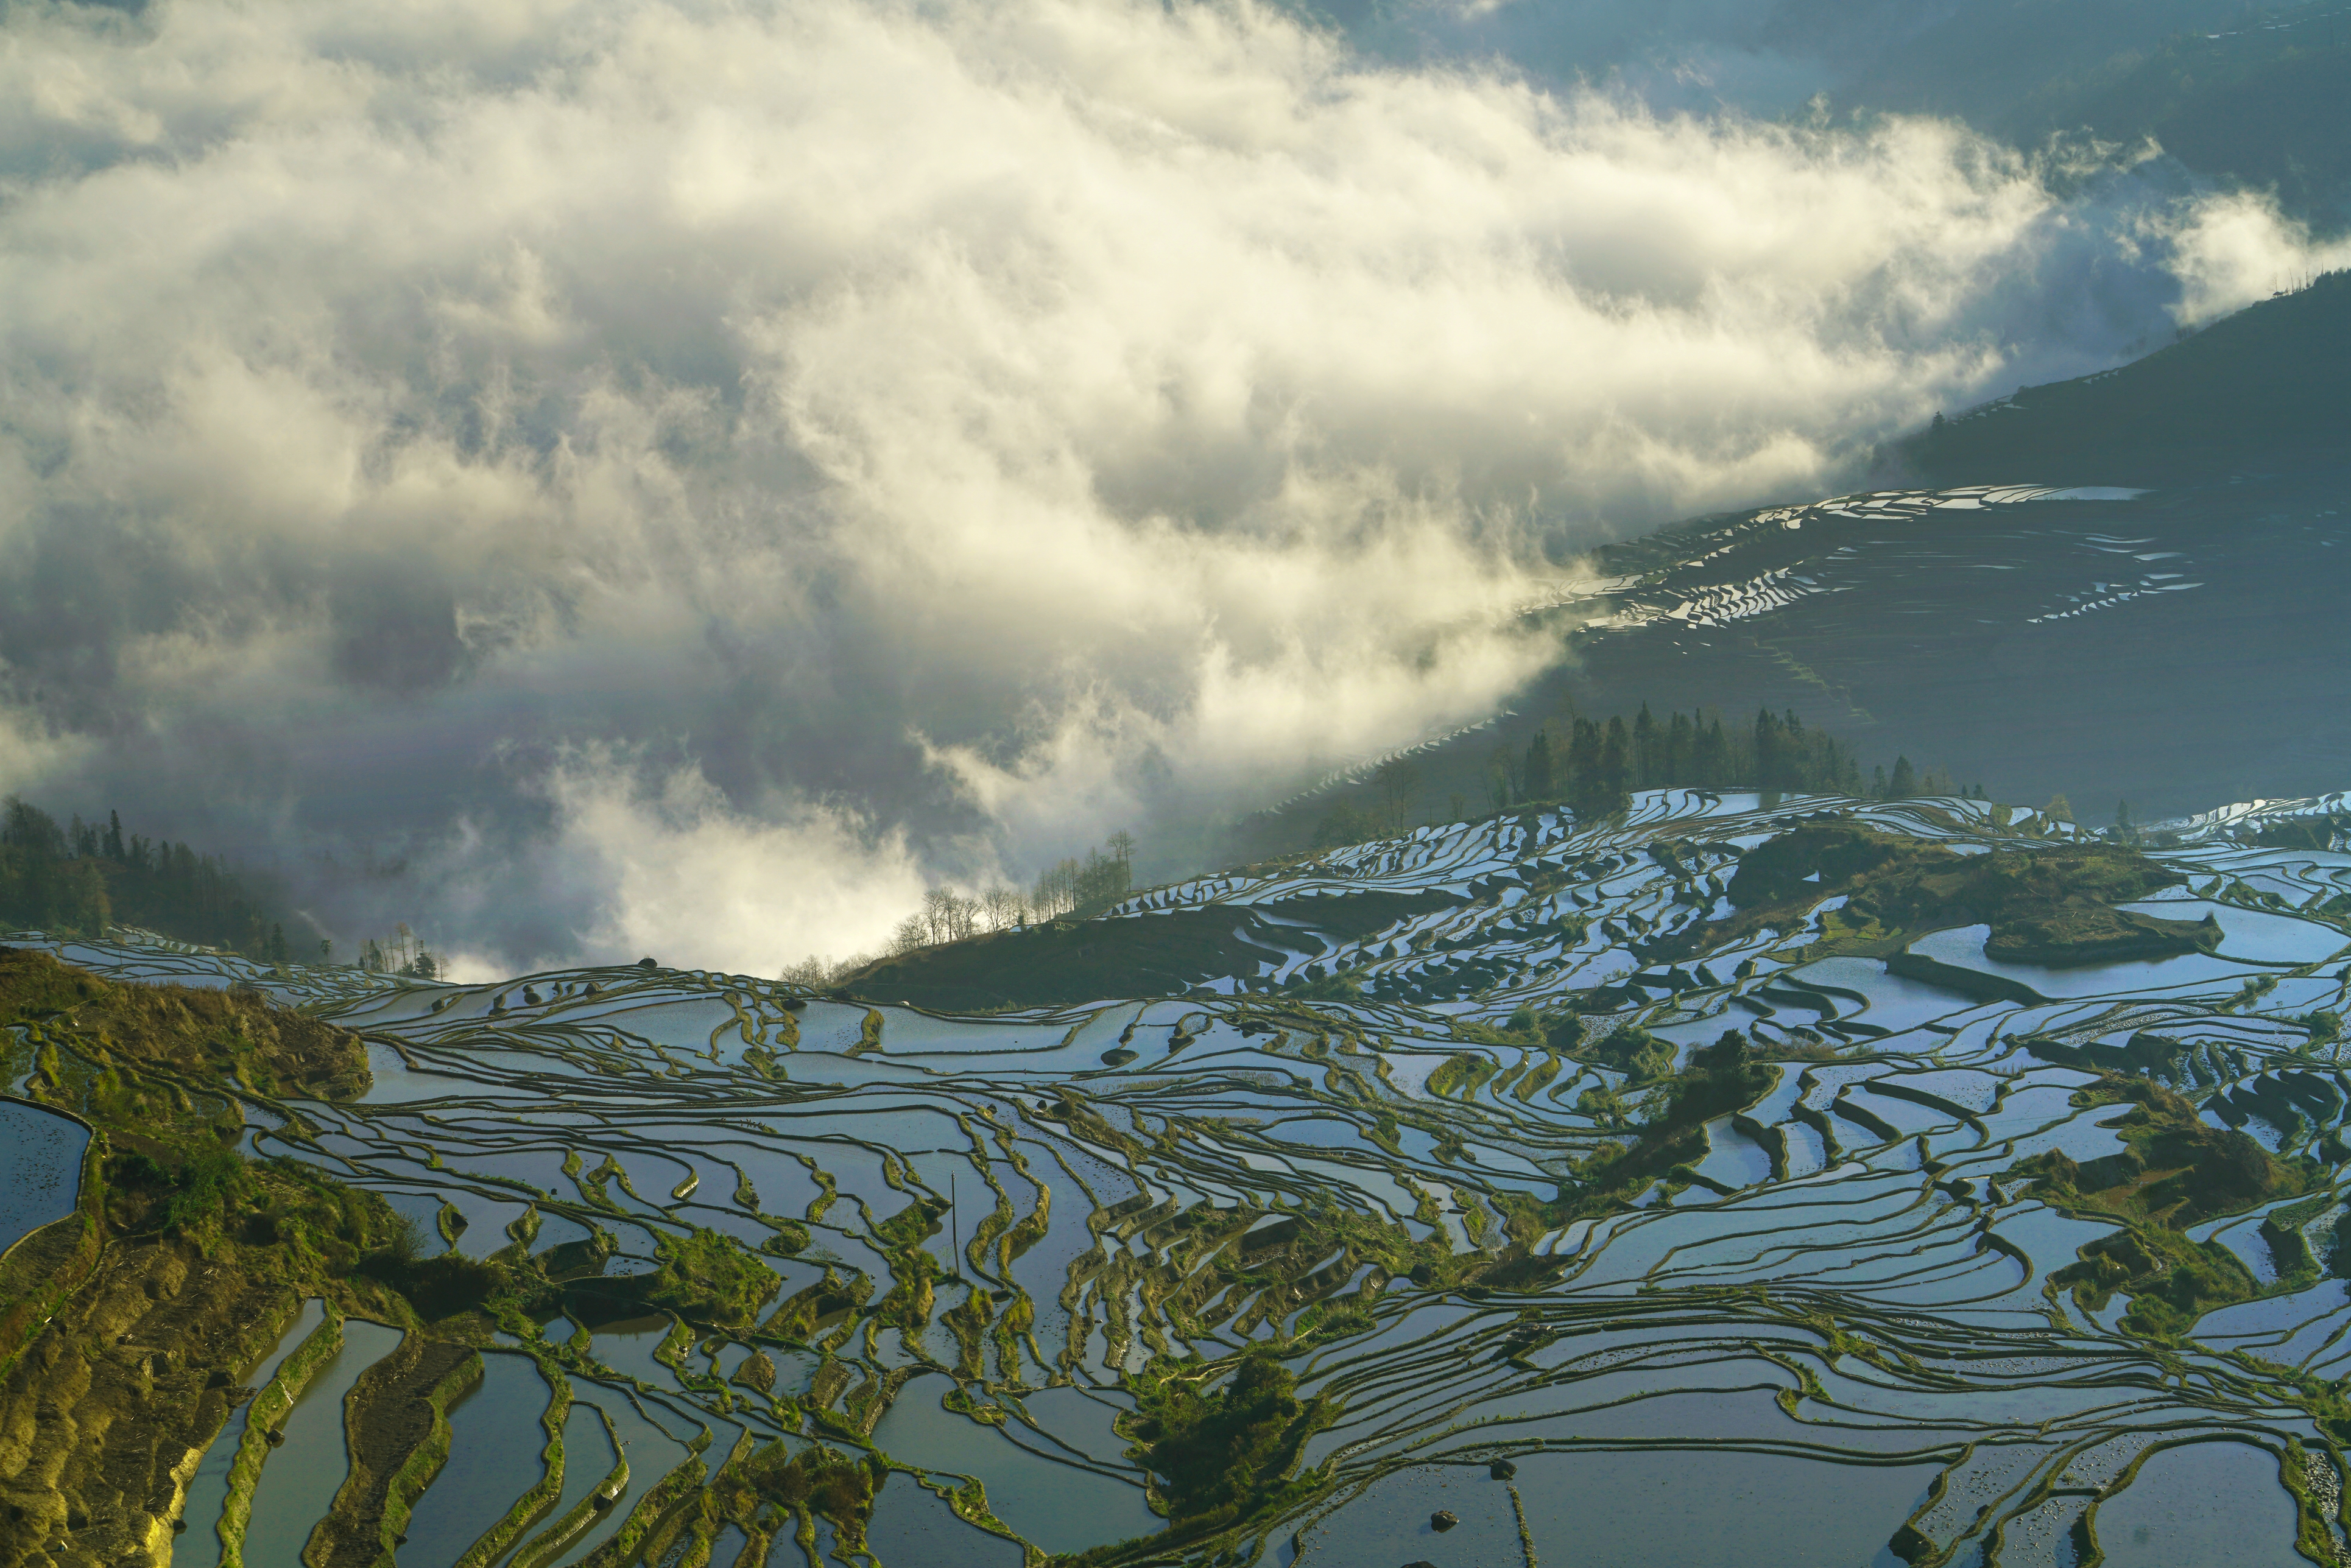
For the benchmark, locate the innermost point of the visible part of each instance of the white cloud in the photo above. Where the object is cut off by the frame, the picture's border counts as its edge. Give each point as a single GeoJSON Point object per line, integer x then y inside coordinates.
{"type": "Point", "coordinates": [1110, 406]}
{"type": "Point", "coordinates": [30, 753]}
{"type": "Point", "coordinates": [2230, 250]}
{"type": "Point", "coordinates": [686, 877]}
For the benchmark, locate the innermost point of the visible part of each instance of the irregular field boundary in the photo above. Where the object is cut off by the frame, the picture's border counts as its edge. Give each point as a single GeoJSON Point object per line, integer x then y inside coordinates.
{"type": "Point", "coordinates": [552, 1542]}
{"type": "Point", "coordinates": [408, 1482]}
{"type": "Point", "coordinates": [653, 1508]}
{"type": "Point", "coordinates": [268, 1407]}
{"type": "Point", "coordinates": [528, 1508]}
{"type": "Point", "coordinates": [24, 1318]}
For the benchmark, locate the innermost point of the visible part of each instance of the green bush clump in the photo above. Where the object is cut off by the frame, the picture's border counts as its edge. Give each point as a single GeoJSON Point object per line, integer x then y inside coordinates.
{"type": "Point", "coordinates": [1342, 987]}
{"type": "Point", "coordinates": [190, 1196]}
{"type": "Point", "coordinates": [1224, 1453]}
{"type": "Point", "coordinates": [1605, 1106]}
{"type": "Point", "coordinates": [1642, 1057]}
{"type": "Point", "coordinates": [2172, 1280]}
{"type": "Point", "coordinates": [820, 1479]}
{"type": "Point", "coordinates": [708, 1277]}
{"type": "Point", "coordinates": [1460, 1074]}
{"type": "Point", "coordinates": [1721, 1078]}
{"type": "Point", "coordinates": [2173, 1171]}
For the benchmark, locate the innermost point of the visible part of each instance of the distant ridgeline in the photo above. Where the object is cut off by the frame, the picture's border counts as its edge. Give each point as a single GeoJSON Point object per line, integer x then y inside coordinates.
{"type": "Point", "coordinates": [82, 878]}
{"type": "Point", "coordinates": [2261, 105]}
{"type": "Point", "coordinates": [2275, 377]}
{"type": "Point", "coordinates": [1591, 768]}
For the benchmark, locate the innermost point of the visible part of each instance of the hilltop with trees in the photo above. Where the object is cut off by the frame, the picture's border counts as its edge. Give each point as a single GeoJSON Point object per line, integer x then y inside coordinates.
{"type": "Point", "coordinates": [400, 954]}
{"type": "Point", "coordinates": [80, 879]}
{"type": "Point", "coordinates": [86, 877]}
{"type": "Point", "coordinates": [1071, 889]}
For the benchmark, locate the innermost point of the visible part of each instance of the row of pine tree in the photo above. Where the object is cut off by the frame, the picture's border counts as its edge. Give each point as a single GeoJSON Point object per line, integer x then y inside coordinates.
{"type": "Point", "coordinates": [1593, 767]}
{"type": "Point", "coordinates": [84, 877]}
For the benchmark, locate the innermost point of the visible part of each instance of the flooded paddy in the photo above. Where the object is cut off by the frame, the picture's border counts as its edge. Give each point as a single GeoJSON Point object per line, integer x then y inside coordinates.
{"type": "Point", "coordinates": [208, 1488]}
{"type": "Point", "coordinates": [40, 1168]}
{"type": "Point", "coordinates": [302, 1475]}
{"type": "Point", "coordinates": [494, 1458]}
{"type": "Point", "coordinates": [1937, 1266]}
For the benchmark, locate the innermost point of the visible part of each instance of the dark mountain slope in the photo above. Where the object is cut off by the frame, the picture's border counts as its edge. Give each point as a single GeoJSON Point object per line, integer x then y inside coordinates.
{"type": "Point", "coordinates": [2268, 384]}
{"type": "Point", "coordinates": [1062, 963]}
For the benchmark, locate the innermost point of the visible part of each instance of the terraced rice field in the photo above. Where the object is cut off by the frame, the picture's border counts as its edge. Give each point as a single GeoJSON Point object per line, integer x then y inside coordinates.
{"type": "Point", "coordinates": [1827, 1332]}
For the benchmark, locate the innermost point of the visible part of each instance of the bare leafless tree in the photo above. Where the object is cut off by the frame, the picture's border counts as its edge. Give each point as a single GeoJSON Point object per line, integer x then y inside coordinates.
{"type": "Point", "coordinates": [816, 971]}
{"type": "Point", "coordinates": [1398, 784]}
{"type": "Point", "coordinates": [1001, 906]}
{"type": "Point", "coordinates": [913, 933]}
{"type": "Point", "coordinates": [1501, 778]}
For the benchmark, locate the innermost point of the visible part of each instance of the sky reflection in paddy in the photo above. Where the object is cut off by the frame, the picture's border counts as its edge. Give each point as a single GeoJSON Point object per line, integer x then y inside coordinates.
{"type": "Point", "coordinates": [1910, 1235]}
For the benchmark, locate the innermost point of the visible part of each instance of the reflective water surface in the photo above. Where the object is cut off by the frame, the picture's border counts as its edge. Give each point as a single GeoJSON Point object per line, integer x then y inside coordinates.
{"type": "Point", "coordinates": [1828, 1335]}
